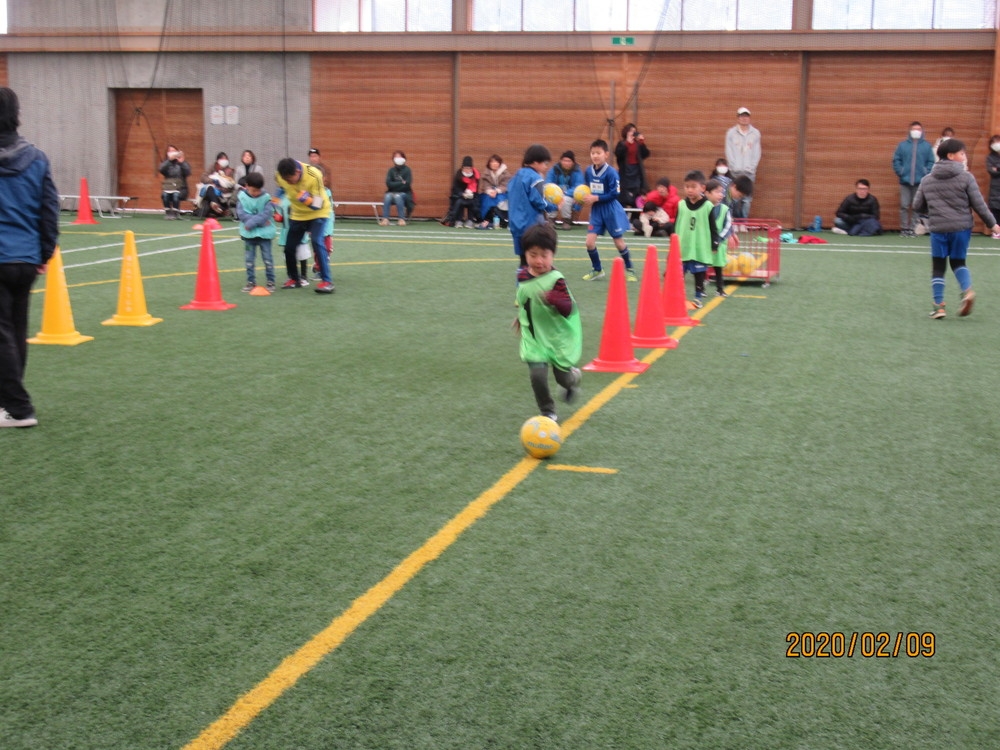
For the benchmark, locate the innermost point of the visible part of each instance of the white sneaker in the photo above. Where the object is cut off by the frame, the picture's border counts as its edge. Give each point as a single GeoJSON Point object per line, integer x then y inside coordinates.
{"type": "Point", "coordinates": [6, 420]}
{"type": "Point", "coordinates": [838, 230]}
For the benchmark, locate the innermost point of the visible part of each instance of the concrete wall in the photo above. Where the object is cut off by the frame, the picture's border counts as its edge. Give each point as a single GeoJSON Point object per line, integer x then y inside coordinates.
{"type": "Point", "coordinates": [146, 15]}
{"type": "Point", "coordinates": [66, 106]}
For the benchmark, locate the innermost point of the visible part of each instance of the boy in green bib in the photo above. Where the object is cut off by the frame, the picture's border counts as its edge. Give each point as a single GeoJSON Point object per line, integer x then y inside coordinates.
{"type": "Point", "coordinates": [696, 231]}
{"type": "Point", "coordinates": [548, 320]}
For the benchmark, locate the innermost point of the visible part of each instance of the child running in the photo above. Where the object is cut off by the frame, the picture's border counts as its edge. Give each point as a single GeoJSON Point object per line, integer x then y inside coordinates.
{"type": "Point", "coordinates": [548, 321]}
{"type": "Point", "coordinates": [948, 195]}
{"type": "Point", "coordinates": [606, 213]}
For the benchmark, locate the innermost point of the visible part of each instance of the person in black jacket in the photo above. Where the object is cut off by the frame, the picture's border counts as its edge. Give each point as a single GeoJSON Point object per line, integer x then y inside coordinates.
{"type": "Point", "coordinates": [398, 189]}
{"type": "Point", "coordinates": [859, 213]}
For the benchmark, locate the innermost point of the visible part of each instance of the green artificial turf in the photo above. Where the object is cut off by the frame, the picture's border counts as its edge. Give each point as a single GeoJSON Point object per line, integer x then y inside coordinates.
{"type": "Point", "coordinates": [203, 496]}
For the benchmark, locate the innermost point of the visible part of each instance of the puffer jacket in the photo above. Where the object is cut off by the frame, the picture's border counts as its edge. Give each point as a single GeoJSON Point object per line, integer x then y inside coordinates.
{"type": "Point", "coordinates": [948, 195]}
{"type": "Point", "coordinates": [29, 205]}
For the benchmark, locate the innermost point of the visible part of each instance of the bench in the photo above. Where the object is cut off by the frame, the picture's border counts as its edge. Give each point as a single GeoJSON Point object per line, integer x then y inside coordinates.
{"type": "Point", "coordinates": [107, 206]}
{"type": "Point", "coordinates": [374, 205]}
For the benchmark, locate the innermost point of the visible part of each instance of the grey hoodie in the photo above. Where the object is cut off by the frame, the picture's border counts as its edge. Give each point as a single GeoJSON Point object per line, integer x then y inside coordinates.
{"type": "Point", "coordinates": [948, 195]}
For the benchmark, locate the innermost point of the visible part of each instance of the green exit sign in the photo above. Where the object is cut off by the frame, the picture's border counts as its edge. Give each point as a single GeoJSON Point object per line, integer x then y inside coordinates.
{"type": "Point", "coordinates": [626, 41]}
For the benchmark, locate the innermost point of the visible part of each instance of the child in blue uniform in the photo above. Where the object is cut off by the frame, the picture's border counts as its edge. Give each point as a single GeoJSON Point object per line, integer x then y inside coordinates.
{"type": "Point", "coordinates": [606, 213]}
{"type": "Point", "coordinates": [524, 195]}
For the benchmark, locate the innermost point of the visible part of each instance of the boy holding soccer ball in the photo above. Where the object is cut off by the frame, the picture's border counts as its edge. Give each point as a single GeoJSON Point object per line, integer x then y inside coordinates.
{"type": "Point", "coordinates": [548, 320]}
{"type": "Point", "coordinates": [606, 213]}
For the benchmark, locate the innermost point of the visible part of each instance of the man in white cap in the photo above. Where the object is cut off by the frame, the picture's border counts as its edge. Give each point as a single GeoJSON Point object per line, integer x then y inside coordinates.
{"type": "Point", "coordinates": [743, 149]}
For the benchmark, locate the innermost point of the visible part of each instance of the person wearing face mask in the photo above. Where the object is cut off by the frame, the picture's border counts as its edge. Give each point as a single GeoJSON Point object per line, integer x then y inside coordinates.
{"type": "Point", "coordinates": [721, 173]}
{"type": "Point", "coordinates": [993, 169]}
{"type": "Point", "coordinates": [948, 196]}
{"type": "Point", "coordinates": [175, 171]}
{"type": "Point", "coordinates": [464, 192]}
{"type": "Point", "coordinates": [912, 161]}
{"type": "Point", "coordinates": [221, 176]}
{"type": "Point", "coordinates": [399, 190]}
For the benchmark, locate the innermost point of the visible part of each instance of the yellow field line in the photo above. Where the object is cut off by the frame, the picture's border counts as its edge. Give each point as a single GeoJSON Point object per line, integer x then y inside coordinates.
{"type": "Point", "coordinates": [288, 672]}
{"type": "Point", "coordinates": [581, 469]}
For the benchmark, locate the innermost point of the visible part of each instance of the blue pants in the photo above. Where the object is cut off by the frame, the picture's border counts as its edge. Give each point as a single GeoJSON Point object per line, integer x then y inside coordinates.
{"type": "Point", "coordinates": [296, 231]}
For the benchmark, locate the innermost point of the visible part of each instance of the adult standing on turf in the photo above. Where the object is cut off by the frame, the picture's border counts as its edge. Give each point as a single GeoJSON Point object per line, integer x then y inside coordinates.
{"type": "Point", "coordinates": [913, 160]}
{"type": "Point", "coordinates": [743, 152]}
{"type": "Point", "coordinates": [310, 208]}
{"type": "Point", "coordinates": [29, 228]}
{"type": "Point", "coordinates": [631, 154]}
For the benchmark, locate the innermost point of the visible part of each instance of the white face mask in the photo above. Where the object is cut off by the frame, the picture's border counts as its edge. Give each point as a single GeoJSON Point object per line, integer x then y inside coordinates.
{"type": "Point", "coordinates": [995, 147]}
{"type": "Point", "coordinates": [171, 155]}
{"type": "Point", "coordinates": [915, 134]}
{"type": "Point", "coordinates": [466, 174]}
{"type": "Point", "coordinates": [722, 169]}
{"type": "Point", "coordinates": [399, 161]}
{"type": "Point", "coordinates": [223, 163]}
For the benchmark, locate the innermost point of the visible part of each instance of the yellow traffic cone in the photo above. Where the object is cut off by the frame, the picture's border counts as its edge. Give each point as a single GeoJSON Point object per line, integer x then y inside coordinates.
{"type": "Point", "coordinates": [57, 317]}
{"type": "Point", "coordinates": [131, 298]}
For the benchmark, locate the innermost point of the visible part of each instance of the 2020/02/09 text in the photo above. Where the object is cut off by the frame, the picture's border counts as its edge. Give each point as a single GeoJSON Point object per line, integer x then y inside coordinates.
{"type": "Point", "coordinates": [880, 645]}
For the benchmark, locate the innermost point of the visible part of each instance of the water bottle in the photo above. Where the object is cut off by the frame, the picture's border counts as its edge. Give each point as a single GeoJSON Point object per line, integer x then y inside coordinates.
{"type": "Point", "coordinates": [496, 222]}
{"type": "Point", "coordinates": [817, 225]}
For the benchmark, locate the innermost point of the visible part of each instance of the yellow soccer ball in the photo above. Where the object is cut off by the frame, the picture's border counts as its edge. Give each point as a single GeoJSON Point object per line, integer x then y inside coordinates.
{"type": "Point", "coordinates": [553, 193]}
{"type": "Point", "coordinates": [581, 193]}
{"type": "Point", "coordinates": [747, 263]}
{"type": "Point", "coordinates": [540, 437]}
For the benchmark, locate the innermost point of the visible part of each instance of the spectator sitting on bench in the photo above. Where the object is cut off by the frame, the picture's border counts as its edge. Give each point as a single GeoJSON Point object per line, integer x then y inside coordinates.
{"type": "Point", "coordinates": [399, 189]}
{"type": "Point", "coordinates": [464, 196]}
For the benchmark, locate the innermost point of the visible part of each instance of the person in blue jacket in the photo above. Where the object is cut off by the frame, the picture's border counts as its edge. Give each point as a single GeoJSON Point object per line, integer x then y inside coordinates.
{"type": "Point", "coordinates": [29, 229]}
{"type": "Point", "coordinates": [912, 161]}
{"type": "Point", "coordinates": [524, 195]}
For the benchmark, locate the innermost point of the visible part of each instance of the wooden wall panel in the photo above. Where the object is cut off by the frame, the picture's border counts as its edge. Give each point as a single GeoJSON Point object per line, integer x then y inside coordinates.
{"type": "Point", "coordinates": [4, 80]}
{"type": "Point", "coordinates": [366, 105]}
{"type": "Point", "coordinates": [860, 106]}
{"type": "Point", "coordinates": [145, 122]}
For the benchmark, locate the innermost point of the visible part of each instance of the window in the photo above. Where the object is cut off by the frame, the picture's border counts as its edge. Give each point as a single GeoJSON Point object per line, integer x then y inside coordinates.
{"type": "Point", "coordinates": [631, 15]}
{"type": "Point", "coordinates": [382, 15]}
{"type": "Point", "coordinates": [912, 14]}
{"type": "Point", "coordinates": [645, 15]}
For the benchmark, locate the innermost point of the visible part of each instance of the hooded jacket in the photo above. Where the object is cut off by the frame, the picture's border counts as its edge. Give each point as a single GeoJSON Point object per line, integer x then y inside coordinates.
{"type": "Point", "coordinates": [29, 204]}
{"type": "Point", "coordinates": [947, 194]}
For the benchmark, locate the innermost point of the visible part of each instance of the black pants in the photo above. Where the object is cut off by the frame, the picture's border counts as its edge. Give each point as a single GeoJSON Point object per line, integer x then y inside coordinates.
{"type": "Point", "coordinates": [16, 280]}
{"type": "Point", "coordinates": [539, 374]}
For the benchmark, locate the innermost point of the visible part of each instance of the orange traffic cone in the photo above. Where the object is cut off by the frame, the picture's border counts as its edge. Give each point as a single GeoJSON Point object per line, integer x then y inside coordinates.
{"type": "Point", "coordinates": [57, 316]}
{"type": "Point", "coordinates": [83, 213]}
{"type": "Point", "coordinates": [207, 294]}
{"type": "Point", "coordinates": [675, 310]}
{"type": "Point", "coordinates": [615, 354]}
{"type": "Point", "coordinates": [649, 330]}
{"type": "Point", "coordinates": [131, 297]}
